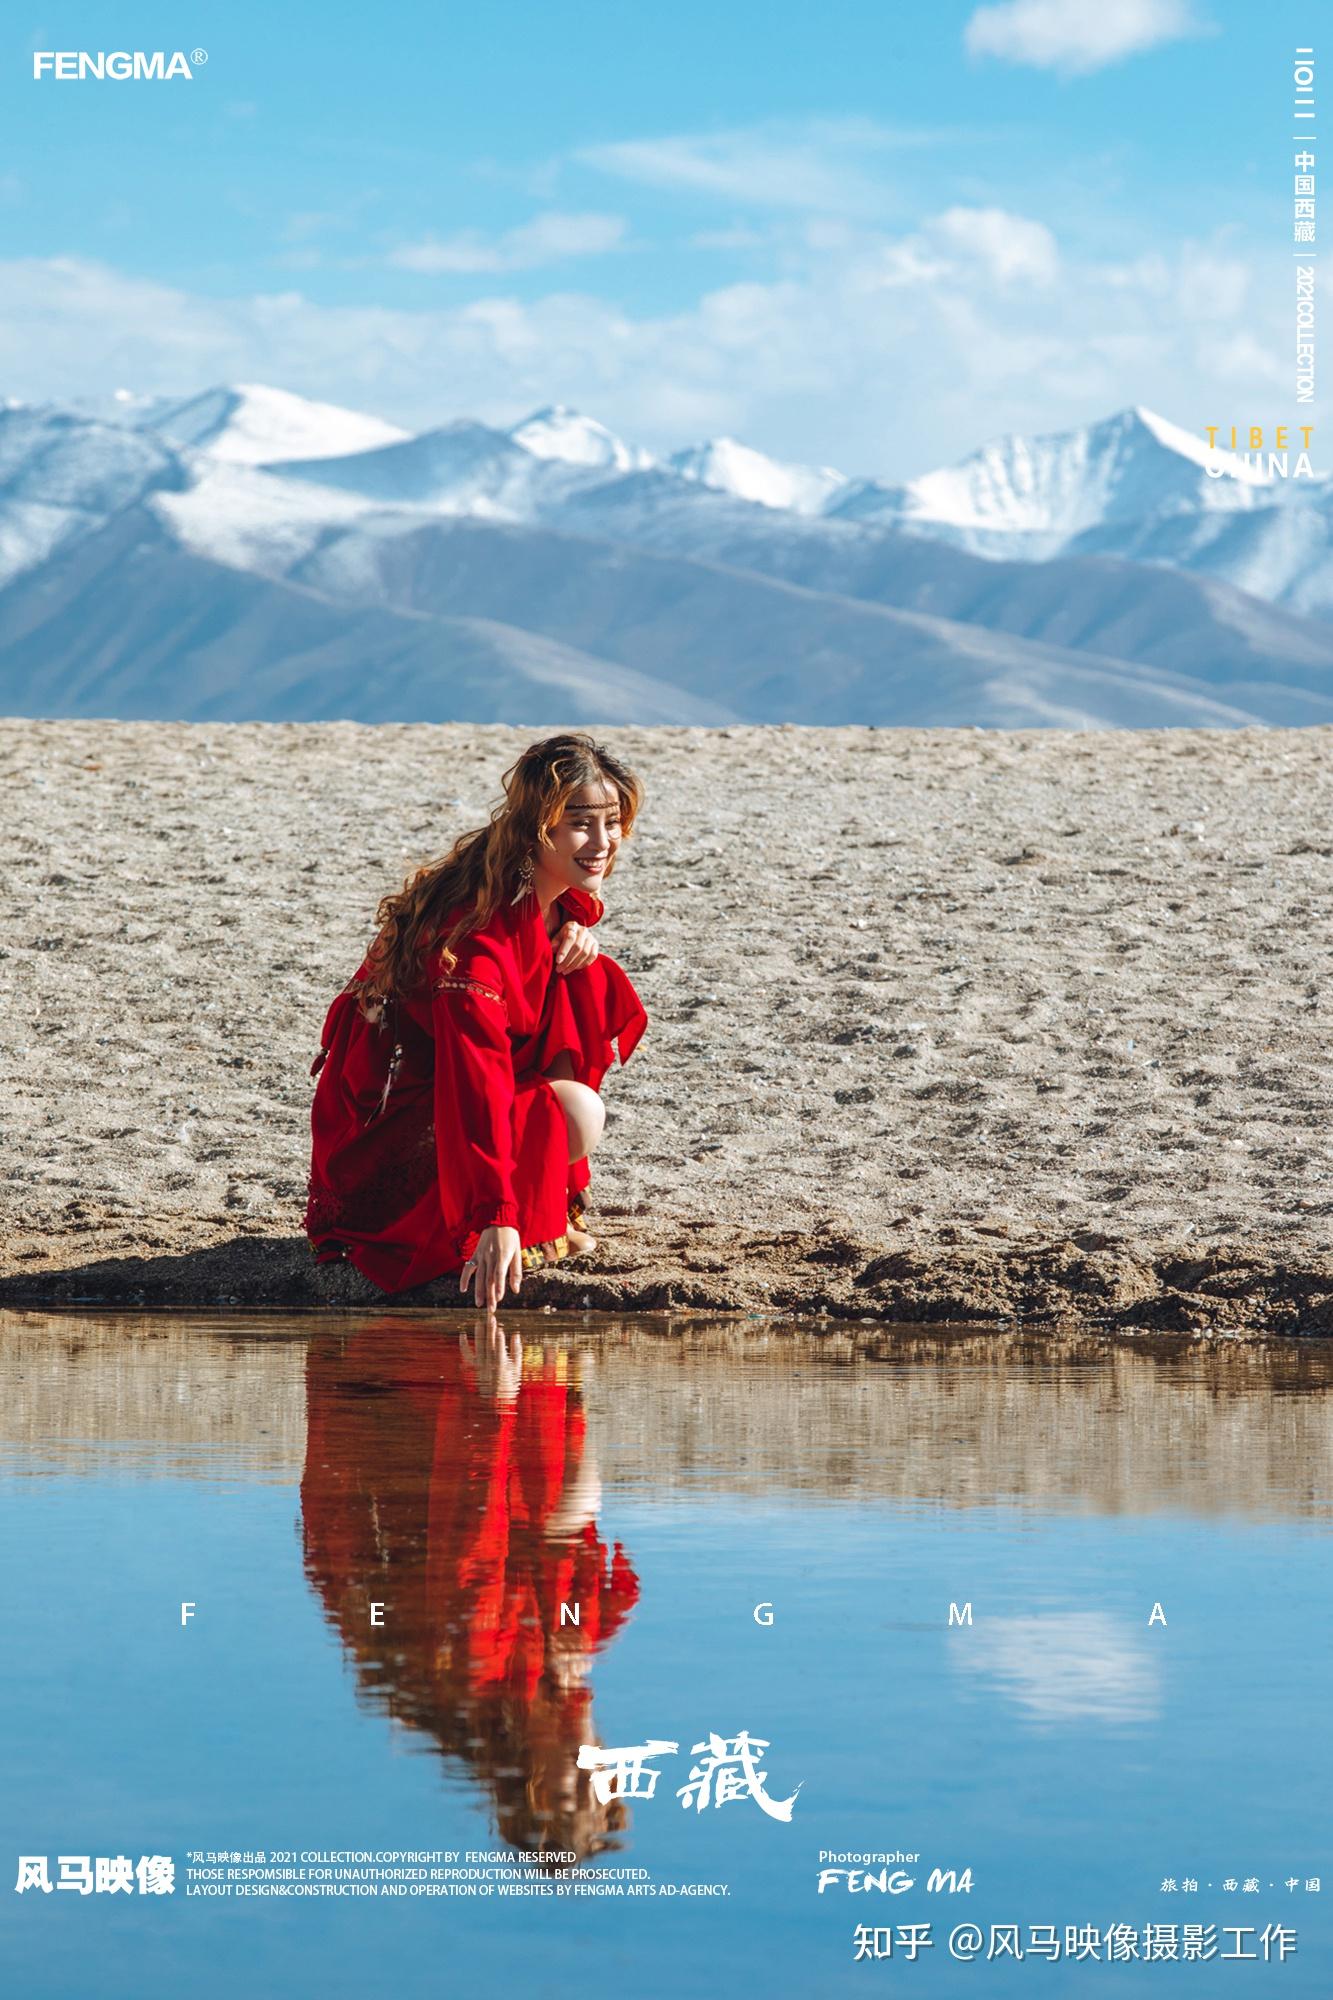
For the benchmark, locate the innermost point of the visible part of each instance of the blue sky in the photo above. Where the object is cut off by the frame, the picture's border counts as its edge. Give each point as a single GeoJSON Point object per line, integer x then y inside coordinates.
{"type": "Point", "coordinates": [870, 235]}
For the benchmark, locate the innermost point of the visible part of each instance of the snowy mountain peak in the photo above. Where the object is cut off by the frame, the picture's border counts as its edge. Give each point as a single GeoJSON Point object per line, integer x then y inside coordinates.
{"type": "Point", "coordinates": [731, 467]}
{"type": "Point", "coordinates": [1173, 436]}
{"type": "Point", "coordinates": [248, 423]}
{"type": "Point", "coordinates": [475, 574]}
{"type": "Point", "coordinates": [559, 432]}
{"type": "Point", "coordinates": [1053, 487]}
{"type": "Point", "coordinates": [1186, 444]}
{"type": "Point", "coordinates": [463, 467]}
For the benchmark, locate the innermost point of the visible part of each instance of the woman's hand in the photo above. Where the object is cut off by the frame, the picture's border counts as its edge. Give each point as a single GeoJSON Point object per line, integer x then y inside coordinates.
{"type": "Point", "coordinates": [497, 1260]}
{"type": "Point", "coordinates": [495, 1364]}
{"type": "Point", "coordinates": [574, 947]}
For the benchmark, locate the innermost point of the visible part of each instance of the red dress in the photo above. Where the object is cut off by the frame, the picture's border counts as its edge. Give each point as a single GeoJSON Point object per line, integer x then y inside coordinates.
{"type": "Point", "coordinates": [436, 1122]}
{"type": "Point", "coordinates": [468, 1516]}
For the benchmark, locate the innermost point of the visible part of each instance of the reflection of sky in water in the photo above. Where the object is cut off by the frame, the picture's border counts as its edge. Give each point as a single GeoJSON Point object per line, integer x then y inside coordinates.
{"type": "Point", "coordinates": [1062, 1666]}
{"type": "Point", "coordinates": [1068, 1752]}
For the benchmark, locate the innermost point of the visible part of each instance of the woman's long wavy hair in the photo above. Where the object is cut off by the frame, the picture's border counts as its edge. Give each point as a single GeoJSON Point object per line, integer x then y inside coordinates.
{"type": "Point", "coordinates": [482, 868]}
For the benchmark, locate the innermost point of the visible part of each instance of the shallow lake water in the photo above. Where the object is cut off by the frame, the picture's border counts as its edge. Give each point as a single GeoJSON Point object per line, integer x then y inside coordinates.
{"type": "Point", "coordinates": [1056, 1613]}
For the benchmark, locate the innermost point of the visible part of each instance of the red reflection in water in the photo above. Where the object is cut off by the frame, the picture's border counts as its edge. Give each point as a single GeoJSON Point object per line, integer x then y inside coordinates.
{"type": "Point", "coordinates": [451, 1480]}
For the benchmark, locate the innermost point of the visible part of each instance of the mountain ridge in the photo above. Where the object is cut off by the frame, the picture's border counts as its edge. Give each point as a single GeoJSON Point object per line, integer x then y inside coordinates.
{"type": "Point", "coordinates": [715, 580]}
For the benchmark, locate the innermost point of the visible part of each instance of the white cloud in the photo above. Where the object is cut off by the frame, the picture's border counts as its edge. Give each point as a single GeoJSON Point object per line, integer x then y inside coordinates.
{"type": "Point", "coordinates": [1077, 36]}
{"type": "Point", "coordinates": [1009, 246]}
{"type": "Point", "coordinates": [1217, 282]}
{"type": "Point", "coordinates": [879, 353]}
{"type": "Point", "coordinates": [547, 239]}
{"type": "Point", "coordinates": [1238, 360]}
{"type": "Point", "coordinates": [1065, 1666]}
{"type": "Point", "coordinates": [302, 224]}
{"type": "Point", "coordinates": [742, 237]}
{"type": "Point", "coordinates": [821, 164]}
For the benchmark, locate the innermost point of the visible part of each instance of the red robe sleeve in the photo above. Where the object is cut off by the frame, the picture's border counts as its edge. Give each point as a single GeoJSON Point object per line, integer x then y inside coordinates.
{"type": "Point", "coordinates": [597, 1013]}
{"type": "Point", "coordinates": [474, 1091]}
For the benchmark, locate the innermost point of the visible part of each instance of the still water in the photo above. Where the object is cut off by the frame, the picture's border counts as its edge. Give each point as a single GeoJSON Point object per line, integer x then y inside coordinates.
{"type": "Point", "coordinates": [422, 1569]}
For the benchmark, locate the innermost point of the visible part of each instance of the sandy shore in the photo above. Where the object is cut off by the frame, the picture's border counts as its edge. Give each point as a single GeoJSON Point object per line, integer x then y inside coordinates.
{"type": "Point", "coordinates": [944, 1024]}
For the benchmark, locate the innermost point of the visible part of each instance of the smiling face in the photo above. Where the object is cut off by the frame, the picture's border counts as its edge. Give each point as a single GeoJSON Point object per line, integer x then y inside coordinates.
{"type": "Point", "coordinates": [583, 841]}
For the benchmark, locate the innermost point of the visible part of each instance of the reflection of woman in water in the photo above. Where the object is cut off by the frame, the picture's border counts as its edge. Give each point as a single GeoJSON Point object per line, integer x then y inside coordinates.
{"type": "Point", "coordinates": [460, 1069]}
{"type": "Point", "coordinates": [454, 1485]}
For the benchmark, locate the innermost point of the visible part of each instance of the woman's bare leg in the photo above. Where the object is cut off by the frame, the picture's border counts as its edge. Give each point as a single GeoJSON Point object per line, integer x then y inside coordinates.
{"type": "Point", "coordinates": [585, 1116]}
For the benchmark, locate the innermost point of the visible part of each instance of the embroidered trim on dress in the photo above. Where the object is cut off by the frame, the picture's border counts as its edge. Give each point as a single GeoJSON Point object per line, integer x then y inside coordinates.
{"type": "Point", "coordinates": [534, 1258]}
{"type": "Point", "coordinates": [467, 986]}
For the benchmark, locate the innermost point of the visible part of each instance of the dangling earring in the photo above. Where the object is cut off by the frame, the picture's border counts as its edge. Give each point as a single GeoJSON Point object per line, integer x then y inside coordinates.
{"type": "Point", "coordinates": [525, 875]}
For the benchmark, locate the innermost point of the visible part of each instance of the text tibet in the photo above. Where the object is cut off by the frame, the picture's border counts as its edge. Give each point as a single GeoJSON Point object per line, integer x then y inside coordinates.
{"type": "Point", "coordinates": [727, 1771]}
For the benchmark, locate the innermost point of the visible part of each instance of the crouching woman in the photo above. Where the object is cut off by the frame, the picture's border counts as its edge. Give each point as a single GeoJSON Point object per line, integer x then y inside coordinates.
{"type": "Point", "coordinates": [460, 1069]}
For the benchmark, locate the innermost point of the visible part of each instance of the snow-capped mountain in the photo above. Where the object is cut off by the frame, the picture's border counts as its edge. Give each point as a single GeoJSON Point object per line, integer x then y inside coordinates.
{"type": "Point", "coordinates": [462, 468]}
{"type": "Point", "coordinates": [468, 468]}
{"type": "Point", "coordinates": [183, 559]}
{"type": "Point", "coordinates": [1034, 496]}
{"type": "Point", "coordinates": [734, 468]}
{"type": "Point", "coordinates": [425, 625]}
{"type": "Point", "coordinates": [252, 425]}
{"type": "Point", "coordinates": [62, 475]}
{"type": "Point", "coordinates": [1137, 487]}
{"type": "Point", "coordinates": [1282, 552]}
{"type": "Point", "coordinates": [563, 434]}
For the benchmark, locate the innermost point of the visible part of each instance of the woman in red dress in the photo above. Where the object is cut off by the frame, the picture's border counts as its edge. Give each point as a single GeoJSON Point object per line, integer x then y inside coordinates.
{"type": "Point", "coordinates": [460, 1069]}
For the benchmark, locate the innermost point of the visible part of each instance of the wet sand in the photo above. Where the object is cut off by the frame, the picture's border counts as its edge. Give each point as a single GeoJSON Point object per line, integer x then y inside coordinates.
{"type": "Point", "coordinates": [944, 1024]}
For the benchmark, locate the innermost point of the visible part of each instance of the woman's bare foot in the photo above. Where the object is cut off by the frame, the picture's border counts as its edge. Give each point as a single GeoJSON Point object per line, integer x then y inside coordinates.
{"type": "Point", "coordinates": [580, 1242]}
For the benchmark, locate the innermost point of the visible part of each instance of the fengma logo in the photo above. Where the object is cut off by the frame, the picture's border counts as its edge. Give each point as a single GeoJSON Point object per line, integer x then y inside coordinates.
{"type": "Point", "coordinates": [116, 66]}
